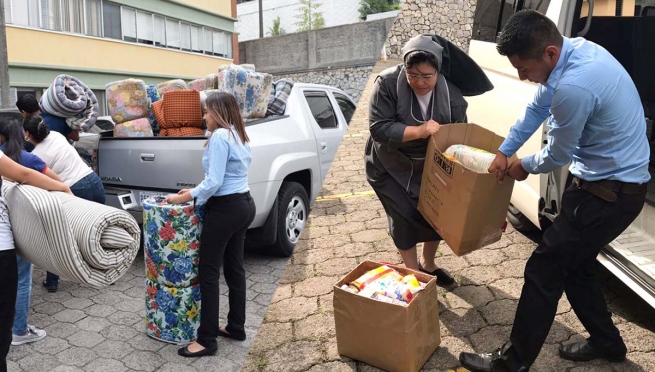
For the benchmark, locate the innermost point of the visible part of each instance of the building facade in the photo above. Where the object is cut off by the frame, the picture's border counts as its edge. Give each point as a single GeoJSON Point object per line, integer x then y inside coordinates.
{"type": "Point", "coordinates": [101, 41]}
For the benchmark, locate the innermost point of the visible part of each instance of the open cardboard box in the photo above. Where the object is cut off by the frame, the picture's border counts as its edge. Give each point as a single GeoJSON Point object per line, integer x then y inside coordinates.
{"type": "Point", "coordinates": [388, 336]}
{"type": "Point", "coordinates": [467, 209]}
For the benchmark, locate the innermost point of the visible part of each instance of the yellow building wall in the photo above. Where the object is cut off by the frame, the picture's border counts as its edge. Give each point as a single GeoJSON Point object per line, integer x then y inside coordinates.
{"type": "Point", "coordinates": [608, 8]}
{"type": "Point", "coordinates": [54, 49]}
{"type": "Point", "coordinates": [223, 7]}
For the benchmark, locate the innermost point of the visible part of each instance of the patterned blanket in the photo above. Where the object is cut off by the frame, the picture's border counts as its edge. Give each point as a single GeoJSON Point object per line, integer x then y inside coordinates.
{"type": "Point", "coordinates": [279, 97]}
{"type": "Point", "coordinates": [69, 98]}
{"type": "Point", "coordinates": [79, 240]}
{"type": "Point", "coordinates": [251, 89]}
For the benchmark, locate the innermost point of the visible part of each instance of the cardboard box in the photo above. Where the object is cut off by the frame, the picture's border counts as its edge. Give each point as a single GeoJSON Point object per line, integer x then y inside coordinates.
{"type": "Point", "coordinates": [392, 337]}
{"type": "Point", "coordinates": [468, 209]}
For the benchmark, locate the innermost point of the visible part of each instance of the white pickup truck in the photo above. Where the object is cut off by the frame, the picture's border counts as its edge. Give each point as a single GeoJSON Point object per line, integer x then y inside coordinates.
{"type": "Point", "coordinates": [291, 155]}
{"type": "Point", "coordinates": [626, 30]}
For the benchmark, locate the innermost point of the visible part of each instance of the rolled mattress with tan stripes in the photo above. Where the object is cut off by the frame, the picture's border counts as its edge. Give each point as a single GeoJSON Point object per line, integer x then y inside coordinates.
{"type": "Point", "coordinates": [77, 239]}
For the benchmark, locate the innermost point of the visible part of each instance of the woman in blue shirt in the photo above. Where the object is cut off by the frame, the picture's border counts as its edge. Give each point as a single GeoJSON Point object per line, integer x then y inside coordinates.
{"type": "Point", "coordinates": [12, 146]}
{"type": "Point", "coordinates": [229, 212]}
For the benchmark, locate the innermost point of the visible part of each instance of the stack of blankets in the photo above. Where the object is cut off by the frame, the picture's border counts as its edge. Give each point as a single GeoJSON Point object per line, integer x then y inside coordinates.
{"type": "Point", "coordinates": [172, 250]}
{"type": "Point", "coordinates": [174, 108]}
{"type": "Point", "coordinates": [69, 98]}
{"type": "Point", "coordinates": [130, 104]}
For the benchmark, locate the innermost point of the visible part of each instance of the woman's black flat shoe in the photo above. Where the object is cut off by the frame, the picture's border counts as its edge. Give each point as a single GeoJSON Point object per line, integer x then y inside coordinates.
{"type": "Point", "coordinates": [227, 335]}
{"type": "Point", "coordinates": [187, 354]}
{"type": "Point", "coordinates": [51, 288]}
{"type": "Point", "coordinates": [443, 276]}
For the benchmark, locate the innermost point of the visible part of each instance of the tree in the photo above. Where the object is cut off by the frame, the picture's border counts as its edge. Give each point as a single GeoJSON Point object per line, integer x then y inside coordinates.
{"type": "Point", "coordinates": [4, 66]}
{"type": "Point", "coordinates": [376, 6]}
{"type": "Point", "coordinates": [276, 30]}
{"type": "Point", "coordinates": [309, 18]}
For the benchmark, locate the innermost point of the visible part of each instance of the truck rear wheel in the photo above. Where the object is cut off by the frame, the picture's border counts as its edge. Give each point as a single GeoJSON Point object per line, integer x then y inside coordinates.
{"type": "Point", "coordinates": [293, 212]}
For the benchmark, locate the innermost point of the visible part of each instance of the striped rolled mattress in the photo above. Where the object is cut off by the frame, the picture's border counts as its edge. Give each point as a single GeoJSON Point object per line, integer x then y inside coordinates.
{"type": "Point", "coordinates": [79, 240]}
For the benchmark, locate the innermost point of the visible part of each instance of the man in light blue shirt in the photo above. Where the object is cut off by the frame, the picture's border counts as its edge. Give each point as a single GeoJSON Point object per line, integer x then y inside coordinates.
{"type": "Point", "coordinates": [596, 121]}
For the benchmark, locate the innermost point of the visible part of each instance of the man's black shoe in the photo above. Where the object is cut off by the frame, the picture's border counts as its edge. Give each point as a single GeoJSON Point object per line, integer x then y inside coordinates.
{"type": "Point", "coordinates": [584, 351]}
{"type": "Point", "coordinates": [488, 362]}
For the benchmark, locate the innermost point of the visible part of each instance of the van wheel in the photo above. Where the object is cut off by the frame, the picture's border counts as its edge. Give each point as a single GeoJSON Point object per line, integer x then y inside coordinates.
{"type": "Point", "coordinates": [519, 221]}
{"type": "Point", "coordinates": [293, 212]}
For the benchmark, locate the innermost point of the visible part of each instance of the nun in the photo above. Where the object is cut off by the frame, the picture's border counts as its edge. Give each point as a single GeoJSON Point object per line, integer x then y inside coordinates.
{"type": "Point", "coordinates": [408, 103]}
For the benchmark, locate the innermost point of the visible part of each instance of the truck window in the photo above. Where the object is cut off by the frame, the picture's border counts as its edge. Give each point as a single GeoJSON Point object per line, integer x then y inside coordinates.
{"type": "Point", "coordinates": [491, 15]}
{"type": "Point", "coordinates": [322, 110]}
{"type": "Point", "coordinates": [346, 106]}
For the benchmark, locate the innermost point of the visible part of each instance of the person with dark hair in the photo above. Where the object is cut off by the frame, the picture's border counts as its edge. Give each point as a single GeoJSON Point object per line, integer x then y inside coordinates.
{"type": "Point", "coordinates": [8, 263]}
{"type": "Point", "coordinates": [408, 104]}
{"type": "Point", "coordinates": [12, 146]}
{"type": "Point", "coordinates": [229, 212]}
{"type": "Point", "coordinates": [596, 122]}
{"type": "Point", "coordinates": [64, 160]}
{"type": "Point", "coordinates": [28, 105]}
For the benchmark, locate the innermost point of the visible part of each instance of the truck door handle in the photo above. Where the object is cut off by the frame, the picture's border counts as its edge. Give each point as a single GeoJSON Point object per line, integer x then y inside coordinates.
{"type": "Point", "coordinates": [147, 157]}
{"type": "Point", "coordinates": [323, 146]}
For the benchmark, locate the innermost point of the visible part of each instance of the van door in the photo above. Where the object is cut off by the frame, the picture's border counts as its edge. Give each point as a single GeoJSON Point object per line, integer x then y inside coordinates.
{"type": "Point", "coordinates": [499, 109]}
{"type": "Point", "coordinates": [626, 32]}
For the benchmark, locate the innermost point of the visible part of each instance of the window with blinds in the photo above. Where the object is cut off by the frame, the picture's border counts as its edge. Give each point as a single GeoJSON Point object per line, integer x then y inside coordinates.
{"type": "Point", "coordinates": [128, 23]}
{"type": "Point", "coordinates": [207, 44]}
{"type": "Point", "coordinates": [8, 11]}
{"type": "Point", "coordinates": [185, 36]}
{"type": "Point", "coordinates": [172, 33]}
{"type": "Point", "coordinates": [72, 16]}
{"type": "Point", "coordinates": [51, 15]}
{"type": "Point", "coordinates": [160, 31]}
{"type": "Point", "coordinates": [145, 28]}
{"type": "Point", "coordinates": [196, 37]}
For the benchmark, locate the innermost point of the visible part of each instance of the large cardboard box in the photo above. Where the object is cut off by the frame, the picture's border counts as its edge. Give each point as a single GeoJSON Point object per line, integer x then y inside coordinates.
{"type": "Point", "coordinates": [392, 337]}
{"type": "Point", "coordinates": [468, 209]}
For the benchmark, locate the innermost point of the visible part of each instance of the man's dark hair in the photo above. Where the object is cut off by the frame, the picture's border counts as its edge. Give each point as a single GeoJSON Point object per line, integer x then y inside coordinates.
{"type": "Point", "coordinates": [28, 104]}
{"type": "Point", "coordinates": [526, 34]}
{"type": "Point", "coordinates": [419, 56]}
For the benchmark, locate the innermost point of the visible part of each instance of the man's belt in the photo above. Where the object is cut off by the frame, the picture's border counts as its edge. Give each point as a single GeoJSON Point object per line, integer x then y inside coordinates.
{"type": "Point", "coordinates": [608, 190]}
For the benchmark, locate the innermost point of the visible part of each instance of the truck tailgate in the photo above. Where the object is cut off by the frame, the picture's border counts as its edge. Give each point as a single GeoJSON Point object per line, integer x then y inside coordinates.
{"type": "Point", "coordinates": [161, 163]}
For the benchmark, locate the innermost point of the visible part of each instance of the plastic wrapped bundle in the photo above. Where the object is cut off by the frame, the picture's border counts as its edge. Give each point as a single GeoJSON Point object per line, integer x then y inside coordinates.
{"type": "Point", "coordinates": [182, 132]}
{"type": "Point", "coordinates": [246, 66]}
{"type": "Point", "coordinates": [251, 89]}
{"type": "Point", "coordinates": [279, 96]}
{"type": "Point", "coordinates": [211, 81]}
{"type": "Point", "coordinates": [134, 128]}
{"type": "Point", "coordinates": [471, 158]}
{"type": "Point", "coordinates": [153, 96]}
{"type": "Point", "coordinates": [171, 85]}
{"type": "Point", "coordinates": [172, 241]}
{"type": "Point", "coordinates": [127, 100]}
{"type": "Point", "coordinates": [172, 314]}
{"type": "Point", "coordinates": [198, 85]}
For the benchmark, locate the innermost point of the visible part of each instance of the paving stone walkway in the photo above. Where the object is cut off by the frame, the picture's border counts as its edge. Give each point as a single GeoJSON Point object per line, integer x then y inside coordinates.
{"type": "Point", "coordinates": [104, 330]}
{"type": "Point", "coordinates": [348, 225]}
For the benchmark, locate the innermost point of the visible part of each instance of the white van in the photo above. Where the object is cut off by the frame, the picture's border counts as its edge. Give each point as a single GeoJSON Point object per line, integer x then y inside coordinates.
{"type": "Point", "coordinates": [627, 30]}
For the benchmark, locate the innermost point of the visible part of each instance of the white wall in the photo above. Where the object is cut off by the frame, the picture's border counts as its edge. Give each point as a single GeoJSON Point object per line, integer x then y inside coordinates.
{"type": "Point", "coordinates": [335, 12]}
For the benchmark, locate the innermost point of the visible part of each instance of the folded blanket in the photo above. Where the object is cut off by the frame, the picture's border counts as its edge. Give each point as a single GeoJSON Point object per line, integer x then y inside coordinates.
{"type": "Point", "coordinates": [153, 96]}
{"type": "Point", "coordinates": [182, 109]}
{"type": "Point", "coordinates": [134, 128]}
{"type": "Point", "coordinates": [198, 85]}
{"type": "Point", "coordinates": [68, 97]}
{"type": "Point", "coordinates": [171, 85]}
{"type": "Point", "coordinates": [158, 112]}
{"type": "Point", "coordinates": [279, 96]}
{"type": "Point", "coordinates": [251, 89]}
{"type": "Point", "coordinates": [171, 236]}
{"type": "Point", "coordinates": [127, 100]}
{"type": "Point", "coordinates": [79, 240]}
{"type": "Point", "coordinates": [172, 314]}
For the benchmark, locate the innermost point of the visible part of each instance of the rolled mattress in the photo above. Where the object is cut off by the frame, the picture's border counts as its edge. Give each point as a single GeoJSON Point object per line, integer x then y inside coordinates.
{"type": "Point", "coordinates": [77, 239]}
